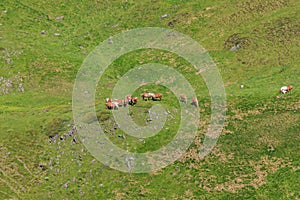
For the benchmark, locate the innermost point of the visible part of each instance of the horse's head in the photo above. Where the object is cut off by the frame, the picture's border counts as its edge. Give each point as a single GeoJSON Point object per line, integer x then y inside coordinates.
{"type": "Point", "coordinates": [289, 88]}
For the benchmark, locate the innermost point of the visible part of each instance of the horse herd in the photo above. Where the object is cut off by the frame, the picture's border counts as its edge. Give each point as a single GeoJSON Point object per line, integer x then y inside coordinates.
{"type": "Point", "coordinates": [114, 104]}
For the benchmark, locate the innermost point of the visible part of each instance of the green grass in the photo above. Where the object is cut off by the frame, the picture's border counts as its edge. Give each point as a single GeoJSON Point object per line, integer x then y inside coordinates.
{"type": "Point", "coordinates": [241, 166]}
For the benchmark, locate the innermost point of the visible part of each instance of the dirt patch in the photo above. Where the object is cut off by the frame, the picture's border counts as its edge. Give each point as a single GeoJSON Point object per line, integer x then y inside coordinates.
{"type": "Point", "coordinates": [252, 8]}
{"type": "Point", "coordinates": [236, 41]}
{"type": "Point", "coordinates": [261, 169]}
{"type": "Point", "coordinates": [222, 156]}
{"type": "Point", "coordinates": [238, 114]}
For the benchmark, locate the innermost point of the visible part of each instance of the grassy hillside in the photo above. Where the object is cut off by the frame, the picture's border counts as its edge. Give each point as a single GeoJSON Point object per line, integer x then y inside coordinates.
{"type": "Point", "coordinates": [42, 46]}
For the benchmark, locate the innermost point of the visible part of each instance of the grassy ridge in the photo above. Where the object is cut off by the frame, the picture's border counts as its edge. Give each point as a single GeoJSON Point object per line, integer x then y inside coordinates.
{"type": "Point", "coordinates": [257, 155]}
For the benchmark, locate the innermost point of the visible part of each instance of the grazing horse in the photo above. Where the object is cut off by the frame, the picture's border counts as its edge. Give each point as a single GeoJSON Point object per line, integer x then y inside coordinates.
{"type": "Point", "coordinates": [128, 99]}
{"type": "Point", "coordinates": [147, 96]}
{"type": "Point", "coordinates": [285, 89]}
{"type": "Point", "coordinates": [195, 102]}
{"type": "Point", "coordinates": [111, 105]}
{"type": "Point", "coordinates": [120, 102]}
{"type": "Point", "coordinates": [157, 96]}
{"type": "Point", "coordinates": [133, 101]}
{"type": "Point", "coordinates": [183, 98]}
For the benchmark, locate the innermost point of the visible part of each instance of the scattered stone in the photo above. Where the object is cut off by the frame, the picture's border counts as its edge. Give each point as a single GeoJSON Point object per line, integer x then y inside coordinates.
{"type": "Point", "coordinates": [75, 140]}
{"type": "Point", "coordinates": [43, 167]}
{"type": "Point", "coordinates": [5, 11]}
{"type": "Point", "coordinates": [121, 136]}
{"type": "Point", "coordinates": [235, 47]}
{"type": "Point", "coordinates": [12, 84]}
{"type": "Point", "coordinates": [8, 60]}
{"type": "Point", "coordinates": [110, 41]}
{"type": "Point", "coordinates": [271, 149]}
{"type": "Point", "coordinates": [50, 162]}
{"type": "Point", "coordinates": [115, 26]}
{"type": "Point", "coordinates": [46, 178]}
{"type": "Point", "coordinates": [62, 137]}
{"type": "Point", "coordinates": [164, 16]}
{"type": "Point", "coordinates": [43, 32]}
{"type": "Point", "coordinates": [236, 41]}
{"type": "Point", "coordinates": [141, 139]}
{"type": "Point", "coordinates": [66, 184]}
{"type": "Point", "coordinates": [1, 24]}
{"type": "Point", "coordinates": [56, 34]}
{"type": "Point", "coordinates": [170, 24]}
{"type": "Point", "coordinates": [115, 126]}
{"type": "Point", "coordinates": [208, 8]}
{"type": "Point", "coordinates": [241, 86]}
{"type": "Point", "coordinates": [59, 17]}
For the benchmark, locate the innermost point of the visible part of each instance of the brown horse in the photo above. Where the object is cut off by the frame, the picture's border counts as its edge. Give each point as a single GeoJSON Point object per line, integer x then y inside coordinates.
{"type": "Point", "coordinates": [110, 104]}
{"type": "Point", "coordinates": [120, 102]}
{"type": "Point", "coordinates": [147, 96]}
{"type": "Point", "coordinates": [157, 96]}
{"type": "Point", "coordinates": [285, 89]}
{"type": "Point", "coordinates": [133, 101]}
{"type": "Point", "coordinates": [183, 98]}
{"type": "Point", "coordinates": [195, 101]}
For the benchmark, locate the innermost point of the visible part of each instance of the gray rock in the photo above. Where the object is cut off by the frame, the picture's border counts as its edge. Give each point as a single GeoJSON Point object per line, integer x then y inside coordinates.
{"type": "Point", "coordinates": [164, 16]}
{"type": "Point", "coordinates": [59, 17]}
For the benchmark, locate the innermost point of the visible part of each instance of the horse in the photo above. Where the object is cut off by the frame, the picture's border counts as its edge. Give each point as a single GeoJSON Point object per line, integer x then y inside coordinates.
{"type": "Point", "coordinates": [195, 101]}
{"type": "Point", "coordinates": [147, 96]}
{"type": "Point", "coordinates": [157, 96]}
{"type": "Point", "coordinates": [128, 97]}
{"type": "Point", "coordinates": [285, 89]}
{"type": "Point", "coordinates": [111, 105]}
{"type": "Point", "coordinates": [183, 98]}
{"type": "Point", "coordinates": [133, 101]}
{"type": "Point", "coordinates": [120, 102]}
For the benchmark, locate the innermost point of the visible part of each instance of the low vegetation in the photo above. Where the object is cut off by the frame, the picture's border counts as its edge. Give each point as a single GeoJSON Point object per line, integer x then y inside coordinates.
{"type": "Point", "coordinates": [253, 43]}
